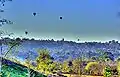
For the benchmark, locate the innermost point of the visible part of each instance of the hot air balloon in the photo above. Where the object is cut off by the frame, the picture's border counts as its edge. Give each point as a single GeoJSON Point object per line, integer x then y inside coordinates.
{"type": "Point", "coordinates": [26, 32]}
{"type": "Point", "coordinates": [60, 17]}
{"type": "Point", "coordinates": [34, 14]}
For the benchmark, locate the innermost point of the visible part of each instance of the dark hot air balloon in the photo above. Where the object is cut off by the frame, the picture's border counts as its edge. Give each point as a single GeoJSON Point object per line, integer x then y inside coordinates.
{"type": "Point", "coordinates": [34, 14]}
{"type": "Point", "coordinates": [26, 32]}
{"type": "Point", "coordinates": [60, 17]}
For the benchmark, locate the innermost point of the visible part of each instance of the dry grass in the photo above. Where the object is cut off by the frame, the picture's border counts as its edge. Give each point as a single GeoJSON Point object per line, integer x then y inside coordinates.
{"type": "Point", "coordinates": [68, 75]}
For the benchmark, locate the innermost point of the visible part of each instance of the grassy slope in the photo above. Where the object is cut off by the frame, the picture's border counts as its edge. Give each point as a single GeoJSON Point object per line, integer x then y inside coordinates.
{"type": "Point", "coordinates": [11, 69]}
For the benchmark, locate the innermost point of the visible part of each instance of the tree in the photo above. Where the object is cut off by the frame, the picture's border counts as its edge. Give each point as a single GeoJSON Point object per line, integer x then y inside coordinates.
{"type": "Point", "coordinates": [53, 67]}
{"type": "Point", "coordinates": [107, 72]}
{"type": "Point", "coordinates": [118, 67]}
{"type": "Point", "coordinates": [94, 58]}
{"type": "Point", "coordinates": [3, 20]}
{"type": "Point", "coordinates": [12, 44]}
{"type": "Point", "coordinates": [32, 39]}
{"type": "Point", "coordinates": [76, 66]}
{"type": "Point", "coordinates": [104, 56]}
{"type": "Point", "coordinates": [93, 68]}
{"type": "Point", "coordinates": [65, 67]}
{"type": "Point", "coordinates": [70, 65]}
{"type": "Point", "coordinates": [18, 39]}
{"type": "Point", "coordinates": [43, 54]}
{"type": "Point", "coordinates": [118, 59]}
{"type": "Point", "coordinates": [109, 55]}
{"type": "Point", "coordinates": [44, 60]}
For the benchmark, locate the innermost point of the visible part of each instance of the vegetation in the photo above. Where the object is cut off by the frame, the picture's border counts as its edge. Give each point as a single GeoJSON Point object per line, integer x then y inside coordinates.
{"type": "Point", "coordinates": [46, 64]}
{"type": "Point", "coordinates": [92, 68]}
{"type": "Point", "coordinates": [44, 61]}
{"type": "Point", "coordinates": [76, 65]}
{"type": "Point", "coordinates": [12, 44]}
{"type": "Point", "coordinates": [11, 69]}
{"type": "Point", "coordinates": [65, 67]}
{"type": "Point", "coordinates": [118, 68]}
{"type": "Point", "coordinates": [4, 21]}
{"type": "Point", "coordinates": [107, 72]}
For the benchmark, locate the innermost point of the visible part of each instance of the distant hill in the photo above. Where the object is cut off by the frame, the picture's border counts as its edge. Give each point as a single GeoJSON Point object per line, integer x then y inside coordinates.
{"type": "Point", "coordinates": [61, 50]}
{"type": "Point", "coordinates": [12, 69]}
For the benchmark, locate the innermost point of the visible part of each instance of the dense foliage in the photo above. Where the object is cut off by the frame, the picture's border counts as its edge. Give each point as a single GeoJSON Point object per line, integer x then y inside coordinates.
{"type": "Point", "coordinates": [11, 69]}
{"type": "Point", "coordinates": [107, 72]}
{"type": "Point", "coordinates": [118, 68]}
{"type": "Point", "coordinates": [44, 61]}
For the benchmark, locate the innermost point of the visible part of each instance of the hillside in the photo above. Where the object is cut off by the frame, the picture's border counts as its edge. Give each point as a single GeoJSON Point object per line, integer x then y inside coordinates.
{"type": "Point", "coordinates": [61, 50]}
{"type": "Point", "coordinates": [11, 69]}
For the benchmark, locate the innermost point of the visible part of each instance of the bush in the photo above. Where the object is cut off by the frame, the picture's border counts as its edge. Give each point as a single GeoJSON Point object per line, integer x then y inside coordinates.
{"type": "Point", "coordinates": [107, 72]}
{"type": "Point", "coordinates": [90, 64]}
{"type": "Point", "coordinates": [93, 68]}
{"type": "Point", "coordinates": [65, 67]}
{"type": "Point", "coordinates": [44, 61]}
{"type": "Point", "coordinates": [76, 66]}
{"type": "Point", "coordinates": [118, 68]}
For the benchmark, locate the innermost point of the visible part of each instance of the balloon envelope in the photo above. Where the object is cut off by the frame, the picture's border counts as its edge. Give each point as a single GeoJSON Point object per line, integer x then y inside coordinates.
{"type": "Point", "coordinates": [26, 32]}
{"type": "Point", "coordinates": [60, 17]}
{"type": "Point", "coordinates": [34, 14]}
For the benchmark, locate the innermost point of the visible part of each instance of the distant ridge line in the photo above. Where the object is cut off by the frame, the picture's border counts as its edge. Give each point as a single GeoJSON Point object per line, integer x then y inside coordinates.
{"type": "Point", "coordinates": [62, 40]}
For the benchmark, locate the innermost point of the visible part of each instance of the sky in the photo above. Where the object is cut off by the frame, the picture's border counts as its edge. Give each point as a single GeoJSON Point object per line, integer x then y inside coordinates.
{"type": "Point", "coordinates": [88, 20]}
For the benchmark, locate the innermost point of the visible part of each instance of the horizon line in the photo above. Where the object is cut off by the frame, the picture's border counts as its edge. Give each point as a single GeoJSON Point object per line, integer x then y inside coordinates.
{"type": "Point", "coordinates": [59, 39]}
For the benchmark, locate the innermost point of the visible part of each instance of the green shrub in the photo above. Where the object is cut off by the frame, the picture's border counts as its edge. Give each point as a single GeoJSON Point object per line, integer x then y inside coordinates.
{"type": "Point", "coordinates": [107, 72]}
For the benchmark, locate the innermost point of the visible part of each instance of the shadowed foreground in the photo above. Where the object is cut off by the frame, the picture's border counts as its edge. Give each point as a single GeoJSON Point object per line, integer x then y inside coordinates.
{"type": "Point", "coordinates": [11, 69]}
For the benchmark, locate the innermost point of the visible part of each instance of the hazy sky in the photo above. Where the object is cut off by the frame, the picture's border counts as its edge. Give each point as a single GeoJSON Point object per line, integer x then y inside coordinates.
{"type": "Point", "coordinates": [83, 19]}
